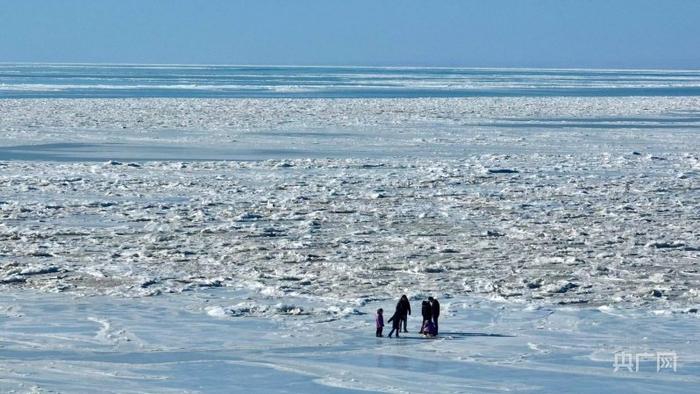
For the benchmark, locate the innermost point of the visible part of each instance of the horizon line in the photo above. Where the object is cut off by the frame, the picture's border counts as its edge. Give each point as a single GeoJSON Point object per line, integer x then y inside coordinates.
{"type": "Point", "coordinates": [394, 67]}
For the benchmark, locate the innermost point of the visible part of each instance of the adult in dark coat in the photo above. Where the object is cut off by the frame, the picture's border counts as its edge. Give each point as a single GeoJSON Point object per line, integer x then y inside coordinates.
{"type": "Point", "coordinates": [403, 309]}
{"type": "Point", "coordinates": [427, 314]}
{"type": "Point", "coordinates": [435, 309]}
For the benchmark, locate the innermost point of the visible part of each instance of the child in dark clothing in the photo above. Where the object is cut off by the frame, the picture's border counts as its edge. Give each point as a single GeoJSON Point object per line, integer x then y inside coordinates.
{"type": "Point", "coordinates": [429, 330]}
{"type": "Point", "coordinates": [427, 314]}
{"type": "Point", "coordinates": [396, 323]}
{"type": "Point", "coordinates": [380, 322]}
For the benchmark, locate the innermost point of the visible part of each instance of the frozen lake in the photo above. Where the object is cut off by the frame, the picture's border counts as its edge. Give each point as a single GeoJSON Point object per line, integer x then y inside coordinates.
{"type": "Point", "coordinates": [160, 240]}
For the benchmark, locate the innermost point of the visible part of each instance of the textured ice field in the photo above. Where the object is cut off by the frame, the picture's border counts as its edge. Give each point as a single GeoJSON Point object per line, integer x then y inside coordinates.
{"type": "Point", "coordinates": [592, 228]}
{"type": "Point", "coordinates": [568, 200]}
{"type": "Point", "coordinates": [232, 122]}
{"type": "Point", "coordinates": [319, 210]}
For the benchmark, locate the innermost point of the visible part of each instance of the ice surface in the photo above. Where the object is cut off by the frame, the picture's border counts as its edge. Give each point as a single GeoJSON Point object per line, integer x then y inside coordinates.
{"type": "Point", "coordinates": [410, 122]}
{"type": "Point", "coordinates": [176, 344]}
{"type": "Point", "coordinates": [564, 228]}
{"type": "Point", "coordinates": [556, 230]}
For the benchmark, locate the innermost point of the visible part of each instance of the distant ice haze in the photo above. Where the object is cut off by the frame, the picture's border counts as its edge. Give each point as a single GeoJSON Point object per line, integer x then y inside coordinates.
{"type": "Point", "coordinates": [100, 81]}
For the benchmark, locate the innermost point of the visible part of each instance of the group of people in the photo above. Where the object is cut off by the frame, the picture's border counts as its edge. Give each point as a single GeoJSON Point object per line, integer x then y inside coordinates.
{"type": "Point", "coordinates": [430, 310]}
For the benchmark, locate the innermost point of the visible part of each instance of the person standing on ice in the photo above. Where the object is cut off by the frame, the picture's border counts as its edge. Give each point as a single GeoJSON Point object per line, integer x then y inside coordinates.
{"type": "Point", "coordinates": [403, 308]}
{"type": "Point", "coordinates": [380, 322]}
{"type": "Point", "coordinates": [395, 324]}
{"type": "Point", "coordinates": [435, 311]}
{"type": "Point", "coordinates": [427, 315]}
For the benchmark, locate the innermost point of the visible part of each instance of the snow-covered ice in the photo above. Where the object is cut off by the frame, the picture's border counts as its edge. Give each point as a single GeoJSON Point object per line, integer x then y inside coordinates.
{"type": "Point", "coordinates": [197, 342]}
{"type": "Point", "coordinates": [196, 244]}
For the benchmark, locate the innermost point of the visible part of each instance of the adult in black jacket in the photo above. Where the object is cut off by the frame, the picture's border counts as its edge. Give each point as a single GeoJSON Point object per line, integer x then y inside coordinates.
{"type": "Point", "coordinates": [435, 309]}
{"type": "Point", "coordinates": [403, 309]}
{"type": "Point", "coordinates": [427, 314]}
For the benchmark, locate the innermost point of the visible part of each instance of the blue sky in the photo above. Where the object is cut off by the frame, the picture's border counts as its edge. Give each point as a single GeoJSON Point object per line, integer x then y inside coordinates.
{"type": "Point", "coordinates": [488, 33]}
